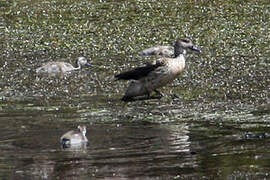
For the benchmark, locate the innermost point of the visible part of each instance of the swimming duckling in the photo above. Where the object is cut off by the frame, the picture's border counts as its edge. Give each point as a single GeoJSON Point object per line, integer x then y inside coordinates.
{"type": "Point", "coordinates": [167, 51]}
{"type": "Point", "coordinates": [149, 78]}
{"type": "Point", "coordinates": [55, 68]}
{"type": "Point", "coordinates": [74, 137]}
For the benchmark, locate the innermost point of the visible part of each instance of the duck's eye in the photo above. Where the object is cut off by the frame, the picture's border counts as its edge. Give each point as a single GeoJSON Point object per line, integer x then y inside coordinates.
{"type": "Point", "coordinates": [185, 40]}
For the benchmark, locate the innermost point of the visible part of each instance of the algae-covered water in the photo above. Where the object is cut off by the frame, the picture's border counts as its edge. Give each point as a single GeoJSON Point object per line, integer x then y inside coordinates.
{"type": "Point", "coordinates": [212, 123]}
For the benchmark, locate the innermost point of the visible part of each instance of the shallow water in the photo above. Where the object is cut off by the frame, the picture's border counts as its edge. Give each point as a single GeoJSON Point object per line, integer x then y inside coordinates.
{"type": "Point", "coordinates": [212, 123]}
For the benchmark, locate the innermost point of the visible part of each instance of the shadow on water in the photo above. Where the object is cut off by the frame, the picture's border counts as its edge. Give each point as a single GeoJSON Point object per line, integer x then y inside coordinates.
{"type": "Point", "coordinates": [212, 123]}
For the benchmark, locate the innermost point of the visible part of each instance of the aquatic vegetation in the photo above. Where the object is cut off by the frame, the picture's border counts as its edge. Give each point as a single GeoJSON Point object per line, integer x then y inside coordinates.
{"type": "Point", "coordinates": [232, 35]}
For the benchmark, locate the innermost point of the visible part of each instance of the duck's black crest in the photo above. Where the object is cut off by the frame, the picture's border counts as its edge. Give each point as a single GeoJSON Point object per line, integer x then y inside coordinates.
{"type": "Point", "coordinates": [137, 73]}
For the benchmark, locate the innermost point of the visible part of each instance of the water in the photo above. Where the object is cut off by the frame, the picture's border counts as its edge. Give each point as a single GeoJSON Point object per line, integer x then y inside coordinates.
{"type": "Point", "coordinates": [212, 123]}
{"type": "Point", "coordinates": [171, 143]}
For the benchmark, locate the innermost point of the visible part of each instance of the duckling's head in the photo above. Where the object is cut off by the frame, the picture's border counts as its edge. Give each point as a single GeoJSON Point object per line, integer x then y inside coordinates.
{"type": "Point", "coordinates": [82, 129]}
{"type": "Point", "coordinates": [185, 43]}
{"type": "Point", "coordinates": [82, 61]}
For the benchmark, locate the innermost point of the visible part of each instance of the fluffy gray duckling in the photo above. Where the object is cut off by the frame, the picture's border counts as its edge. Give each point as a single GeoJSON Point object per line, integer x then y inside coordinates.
{"type": "Point", "coordinates": [56, 68]}
{"type": "Point", "coordinates": [74, 137]}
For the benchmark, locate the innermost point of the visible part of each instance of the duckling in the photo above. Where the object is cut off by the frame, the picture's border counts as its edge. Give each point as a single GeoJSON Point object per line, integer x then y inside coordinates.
{"type": "Point", "coordinates": [74, 137]}
{"type": "Point", "coordinates": [55, 68]}
{"type": "Point", "coordinates": [167, 51]}
{"type": "Point", "coordinates": [161, 72]}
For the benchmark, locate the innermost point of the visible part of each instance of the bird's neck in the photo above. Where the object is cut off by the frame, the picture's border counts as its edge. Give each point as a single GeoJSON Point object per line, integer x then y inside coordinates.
{"type": "Point", "coordinates": [78, 66]}
{"type": "Point", "coordinates": [178, 50]}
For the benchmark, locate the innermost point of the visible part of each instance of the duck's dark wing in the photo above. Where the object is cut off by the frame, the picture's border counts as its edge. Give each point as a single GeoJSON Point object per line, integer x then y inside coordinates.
{"type": "Point", "coordinates": [137, 73]}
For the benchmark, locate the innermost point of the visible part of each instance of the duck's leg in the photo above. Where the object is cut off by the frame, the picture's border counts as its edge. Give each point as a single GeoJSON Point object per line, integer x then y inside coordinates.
{"type": "Point", "coordinates": [158, 93]}
{"type": "Point", "coordinates": [141, 98]}
{"type": "Point", "coordinates": [148, 95]}
{"type": "Point", "coordinates": [127, 99]}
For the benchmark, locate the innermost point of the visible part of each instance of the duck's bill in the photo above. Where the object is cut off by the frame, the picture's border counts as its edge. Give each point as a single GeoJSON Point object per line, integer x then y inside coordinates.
{"type": "Point", "coordinates": [88, 65]}
{"type": "Point", "coordinates": [193, 48]}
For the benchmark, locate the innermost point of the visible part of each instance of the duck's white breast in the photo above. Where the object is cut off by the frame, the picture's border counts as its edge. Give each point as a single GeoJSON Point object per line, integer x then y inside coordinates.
{"type": "Point", "coordinates": [177, 65]}
{"type": "Point", "coordinates": [165, 74]}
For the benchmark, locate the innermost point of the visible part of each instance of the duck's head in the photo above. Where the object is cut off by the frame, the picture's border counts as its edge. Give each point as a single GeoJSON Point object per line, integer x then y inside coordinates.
{"type": "Point", "coordinates": [184, 44]}
{"type": "Point", "coordinates": [82, 129]}
{"type": "Point", "coordinates": [82, 61]}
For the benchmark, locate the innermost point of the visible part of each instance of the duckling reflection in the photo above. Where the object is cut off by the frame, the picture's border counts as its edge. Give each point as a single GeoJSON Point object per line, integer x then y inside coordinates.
{"type": "Point", "coordinates": [75, 137]}
{"type": "Point", "coordinates": [56, 68]}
